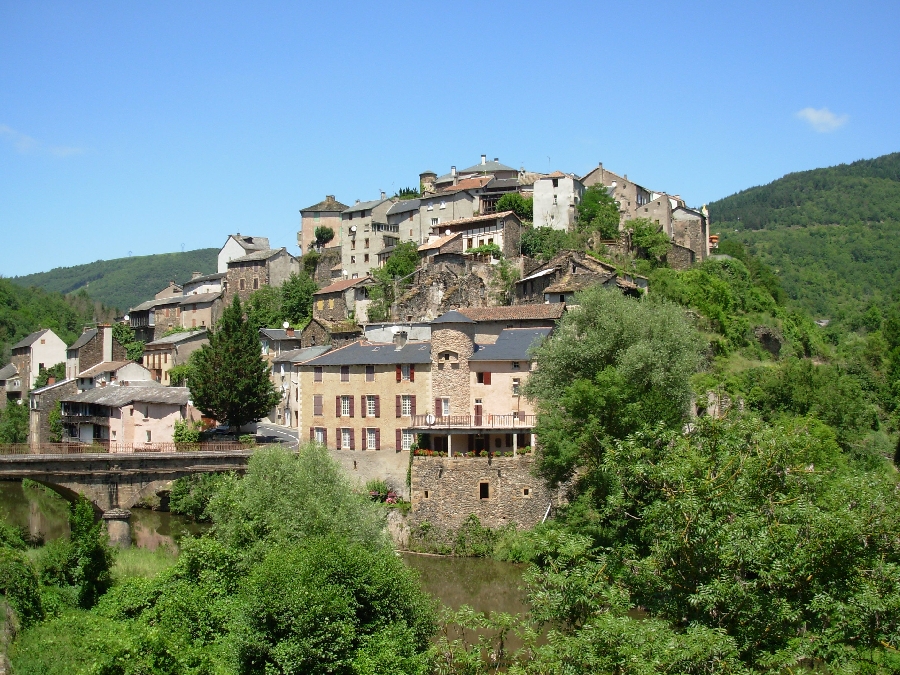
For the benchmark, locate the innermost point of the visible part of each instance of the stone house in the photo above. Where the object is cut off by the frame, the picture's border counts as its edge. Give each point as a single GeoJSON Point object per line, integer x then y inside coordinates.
{"type": "Point", "coordinates": [405, 216]}
{"type": "Point", "coordinates": [494, 168]}
{"type": "Point", "coordinates": [142, 320]}
{"type": "Point", "coordinates": [326, 213]}
{"type": "Point", "coordinates": [454, 204]}
{"type": "Point", "coordinates": [136, 417]}
{"type": "Point", "coordinates": [690, 228]}
{"type": "Point", "coordinates": [41, 349]}
{"type": "Point", "coordinates": [10, 384]}
{"type": "Point", "coordinates": [344, 299]}
{"type": "Point", "coordinates": [533, 288]}
{"type": "Point", "coordinates": [237, 246]}
{"type": "Point", "coordinates": [270, 267]}
{"type": "Point", "coordinates": [365, 232]}
{"type": "Point", "coordinates": [161, 355]}
{"type": "Point", "coordinates": [95, 345]}
{"type": "Point", "coordinates": [629, 195]}
{"type": "Point", "coordinates": [286, 378]}
{"type": "Point", "coordinates": [446, 248]}
{"type": "Point", "coordinates": [109, 373]}
{"type": "Point", "coordinates": [503, 229]}
{"type": "Point", "coordinates": [200, 284]}
{"type": "Point", "coordinates": [556, 198]}
{"type": "Point", "coordinates": [319, 332]}
{"type": "Point", "coordinates": [201, 310]}
{"type": "Point", "coordinates": [363, 396]}
{"type": "Point", "coordinates": [165, 314]}
{"type": "Point", "coordinates": [491, 321]}
{"type": "Point", "coordinates": [41, 403]}
{"type": "Point", "coordinates": [274, 342]}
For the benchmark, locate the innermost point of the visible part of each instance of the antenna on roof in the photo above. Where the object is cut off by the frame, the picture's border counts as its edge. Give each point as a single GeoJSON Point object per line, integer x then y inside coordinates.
{"type": "Point", "coordinates": [285, 325]}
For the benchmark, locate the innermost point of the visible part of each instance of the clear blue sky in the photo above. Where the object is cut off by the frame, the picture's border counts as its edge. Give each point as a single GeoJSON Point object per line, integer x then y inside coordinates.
{"type": "Point", "coordinates": [142, 127]}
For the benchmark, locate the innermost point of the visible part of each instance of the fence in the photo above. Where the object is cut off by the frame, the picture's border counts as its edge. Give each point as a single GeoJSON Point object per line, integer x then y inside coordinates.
{"type": "Point", "coordinates": [101, 447]}
{"type": "Point", "coordinates": [485, 421]}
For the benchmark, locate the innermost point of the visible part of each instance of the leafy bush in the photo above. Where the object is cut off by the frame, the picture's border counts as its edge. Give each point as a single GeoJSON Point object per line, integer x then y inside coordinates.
{"type": "Point", "coordinates": [185, 432]}
{"type": "Point", "coordinates": [191, 495]}
{"type": "Point", "coordinates": [19, 586]}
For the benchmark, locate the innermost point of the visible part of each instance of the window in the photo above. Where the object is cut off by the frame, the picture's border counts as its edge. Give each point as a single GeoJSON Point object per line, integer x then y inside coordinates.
{"type": "Point", "coordinates": [320, 304]}
{"type": "Point", "coordinates": [345, 439]}
{"type": "Point", "coordinates": [345, 406]}
{"type": "Point", "coordinates": [370, 439]}
{"type": "Point", "coordinates": [330, 303]}
{"type": "Point", "coordinates": [366, 243]}
{"type": "Point", "coordinates": [366, 258]}
{"type": "Point", "coordinates": [445, 407]}
{"type": "Point", "coordinates": [148, 436]}
{"type": "Point", "coordinates": [435, 221]}
{"type": "Point", "coordinates": [255, 283]}
{"type": "Point", "coordinates": [352, 259]}
{"type": "Point", "coordinates": [443, 205]}
{"type": "Point", "coordinates": [526, 492]}
{"type": "Point", "coordinates": [554, 200]}
{"type": "Point", "coordinates": [320, 435]}
{"type": "Point", "coordinates": [405, 406]}
{"type": "Point", "coordinates": [515, 365]}
{"type": "Point", "coordinates": [317, 405]}
{"type": "Point", "coordinates": [370, 406]}
{"type": "Point", "coordinates": [241, 284]}
{"type": "Point", "coordinates": [405, 372]}
{"type": "Point", "coordinates": [483, 378]}
{"type": "Point", "coordinates": [555, 184]}
{"type": "Point", "coordinates": [406, 440]}
{"type": "Point", "coordinates": [317, 373]}
{"type": "Point", "coordinates": [345, 373]}
{"type": "Point", "coordinates": [353, 244]}
{"type": "Point", "coordinates": [370, 373]}
{"type": "Point", "coordinates": [562, 298]}
{"type": "Point", "coordinates": [265, 346]}
{"type": "Point", "coordinates": [484, 490]}
{"type": "Point", "coordinates": [516, 385]}
{"type": "Point", "coordinates": [426, 494]}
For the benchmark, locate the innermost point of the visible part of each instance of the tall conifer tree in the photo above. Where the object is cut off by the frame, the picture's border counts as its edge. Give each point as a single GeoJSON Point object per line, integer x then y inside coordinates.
{"type": "Point", "coordinates": [231, 379]}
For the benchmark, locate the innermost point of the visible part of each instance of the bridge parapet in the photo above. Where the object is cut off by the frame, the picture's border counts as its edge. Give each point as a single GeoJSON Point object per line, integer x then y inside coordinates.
{"type": "Point", "coordinates": [103, 447]}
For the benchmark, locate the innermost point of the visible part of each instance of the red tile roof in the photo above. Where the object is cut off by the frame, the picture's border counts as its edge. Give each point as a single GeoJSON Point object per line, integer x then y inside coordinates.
{"type": "Point", "coordinates": [475, 219]}
{"type": "Point", "coordinates": [552, 311]}
{"type": "Point", "coordinates": [466, 184]}
{"type": "Point", "coordinates": [338, 286]}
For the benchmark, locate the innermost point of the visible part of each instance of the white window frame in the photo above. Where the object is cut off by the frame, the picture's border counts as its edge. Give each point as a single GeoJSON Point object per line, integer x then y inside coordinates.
{"type": "Point", "coordinates": [445, 407]}
{"type": "Point", "coordinates": [404, 372]}
{"type": "Point", "coordinates": [406, 439]}
{"type": "Point", "coordinates": [370, 439]}
{"type": "Point", "coordinates": [405, 405]}
{"type": "Point", "coordinates": [345, 438]}
{"type": "Point", "coordinates": [516, 386]}
{"type": "Point", "coordinates": [320, 435]}
{"type": "Point", "coordinates": [370, 406]}
{"type": "Point", "coordinates": [345, 406]}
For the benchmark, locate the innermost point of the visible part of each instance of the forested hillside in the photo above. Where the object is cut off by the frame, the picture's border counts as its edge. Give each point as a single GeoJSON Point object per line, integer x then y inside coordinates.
{"type": "Point", "coordinates": [25, 310]}
{"type": "Point", "coordinates": [832, 235]}
{"type": "Point", "coordinates": [124, 282]}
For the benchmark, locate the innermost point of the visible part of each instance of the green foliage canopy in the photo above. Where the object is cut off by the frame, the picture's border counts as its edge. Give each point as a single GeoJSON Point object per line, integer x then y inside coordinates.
{"type": "Point", "coordinates": [521, 206]}
{"type": "Point", "coordinates": [14, 423]}
{"type": "Point", "coordinates": [598, 212]}
{"type": "Point", "coordinates": [57, 371]}
{"type": "Point", "coordinates": [297, 298]}
{"type": "Point", "coordinates": [231, 380]}
{"type": "Point", "coordinates": [323, 235]}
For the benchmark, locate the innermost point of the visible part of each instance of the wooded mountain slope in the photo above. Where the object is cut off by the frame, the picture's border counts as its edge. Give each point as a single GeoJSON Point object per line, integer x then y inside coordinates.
{"type": "Point", "coordinates": [124, 282]}
{"type": "Point", "coordinates": [832, 235]}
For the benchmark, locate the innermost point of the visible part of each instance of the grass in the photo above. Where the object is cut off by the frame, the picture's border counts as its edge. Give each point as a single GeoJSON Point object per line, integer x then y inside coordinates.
{"type": "Point", "coordinates": [139, 562]}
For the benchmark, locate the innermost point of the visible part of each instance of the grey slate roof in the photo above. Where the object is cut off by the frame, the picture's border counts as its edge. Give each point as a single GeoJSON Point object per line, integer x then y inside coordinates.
{"type": "Point", "coordinates": [326, 206]}
{"type": "Point", "coordinates": [512, 345]}
{"type": "Point", "coordinates": [488, 166]}
{"type": "Point", "coordinates": [251, 243]}
{"type": "Point", "coordinates": [279, 334]}
{"type": "Point", "coordinates": [175, 338]}
{"type": "Point", "coordinates": [300, 355]}
{"type": "Point", "coordinates": [144, 306]}
{"type": "Point", "coordinates": [404, 206]}
{"type": "Point", "coordinates": [29, 340]}
{"type": "Point", "coordinates": [200, 298]}
{"type": "Point", "coordinates": [117, 396]}
{"type": "Point", "coordinates": [368, 353]}
{"type": "Point", "coordinates": [86, 337]}
{"type": "Point", "coordinates": [364, 206]}
{"type": "Point", "coordinates": [206, 277]}
{"type": "Point", "coordinates": [49, 386]}
{"type": "Point", "coordinates": [264, 254]}
{"type": "Point", "coordinates": [104, 367]}
{"type": "Point", "coordinates": [453, 316]}
{"type": "Point", "coordinates": [8, 371]}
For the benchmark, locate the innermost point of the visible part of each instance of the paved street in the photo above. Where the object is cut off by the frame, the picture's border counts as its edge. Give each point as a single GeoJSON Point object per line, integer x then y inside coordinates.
{"type": "Point", "coordinates": [289, 436]}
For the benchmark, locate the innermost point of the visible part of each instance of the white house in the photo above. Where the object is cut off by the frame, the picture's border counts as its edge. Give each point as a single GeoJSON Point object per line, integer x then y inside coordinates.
{"type": "Point", "coordinates": [239, 245]}
{"type": "Point", "coordinates": [556, 197]}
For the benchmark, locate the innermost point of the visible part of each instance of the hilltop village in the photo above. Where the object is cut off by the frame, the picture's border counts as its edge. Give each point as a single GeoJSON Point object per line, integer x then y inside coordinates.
{"type": "Point", "coordinates": [431, 368]}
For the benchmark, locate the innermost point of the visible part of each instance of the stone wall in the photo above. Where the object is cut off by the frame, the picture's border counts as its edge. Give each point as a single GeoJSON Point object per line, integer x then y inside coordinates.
{"type": "Point", "coordinates": [327, 259]}
{"type": "Point", "coordinates": [679, 257]}
{"type": "Point", "coordinates": [445, 491]}
{"type": "Point", "coordinates": [91, 353]}
{"type": "Point", "coordinates": [330, 306]}
{"type": "Point", "coordinates": [450, 378]}
{"type": "Point", "coordinates": [361, 466]}
{"type": "Point", "coordinates": [39, 423]}
{"type": "Point", "coordinates": [315, 334]}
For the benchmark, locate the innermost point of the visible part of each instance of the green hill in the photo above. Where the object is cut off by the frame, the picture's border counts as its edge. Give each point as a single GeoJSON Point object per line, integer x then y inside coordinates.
{"type": "Point", "coordinates": [124, 282]}
{"type": "Point", "coordinates": [25, 310]}
{"type": "Point", "coordinates": [832, 235]}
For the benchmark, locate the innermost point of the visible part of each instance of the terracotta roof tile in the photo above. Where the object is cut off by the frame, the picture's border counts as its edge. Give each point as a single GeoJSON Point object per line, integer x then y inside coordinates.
{"type": "Point", "coordinates": [338, 286]}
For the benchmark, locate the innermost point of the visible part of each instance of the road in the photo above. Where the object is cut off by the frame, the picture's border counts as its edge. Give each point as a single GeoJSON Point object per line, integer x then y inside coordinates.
{"type": "Point", "coordinates": [289, 436]}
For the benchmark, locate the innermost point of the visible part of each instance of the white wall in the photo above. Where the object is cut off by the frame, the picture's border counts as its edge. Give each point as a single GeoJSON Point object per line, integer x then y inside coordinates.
{"type": "Point", "coordinates": [559, 215]}
{"type": "Point", "coordinates": [230, 251]}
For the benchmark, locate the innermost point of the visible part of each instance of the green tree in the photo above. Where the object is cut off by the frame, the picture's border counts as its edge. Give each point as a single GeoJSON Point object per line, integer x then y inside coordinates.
{"type": "Point", "coordinates": [650, 239]}
{"type": "Point", "coordinates": [54, 421]}
{"type": "Point", "coordinates": [44, 374]}
{"type": "Point", "coordinates": [124, 335]}
{"type": "Point", "coordinates": [598, 212]}
{"type": "Point", "coordinates": [615, 366]}
{"type": "Point", "coordinates": [545, 242]}
{"type": "Point", "coordinates": [323, 235]}
{"type": "Point", "coordinates": [14, 423]}
{"type": "Point", "coordinates": [264, 308]}
{"type": "Point", "coordinates": [395, 274]}
{"type": "Point", "coordinates": [231, 380]}
{"type": "Point", "coordinates": [522, 207]}
{"type": "Point", "coordinates": [297, 298]}
{"type": "Point", "coordinates": [185, 432]}
{"type": "Point", "coordinates": [406, 193]}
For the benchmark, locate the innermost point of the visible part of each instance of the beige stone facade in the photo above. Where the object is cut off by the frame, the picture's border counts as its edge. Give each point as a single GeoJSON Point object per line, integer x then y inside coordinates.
{"type": "Point", "coordinates": [160, 356]}
{"type": "Point", "coordinates": [251, 272]}
{"type": "Point", "coordinates": [326, 213]}
{"type": "Point", "coordinates": [451, 346]}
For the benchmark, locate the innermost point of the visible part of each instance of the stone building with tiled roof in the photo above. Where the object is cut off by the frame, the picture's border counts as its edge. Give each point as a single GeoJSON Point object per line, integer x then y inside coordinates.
{"type": "Point", "coordinates": [269, 267]}
{"type": "Point", "coordinates": [326, 213]}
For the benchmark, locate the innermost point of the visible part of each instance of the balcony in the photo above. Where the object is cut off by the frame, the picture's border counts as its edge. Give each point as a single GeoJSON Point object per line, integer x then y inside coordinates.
{"type": "Point", "coordinates": [85, 419]}
{"type": "Point", "coordinates": [473, 423]}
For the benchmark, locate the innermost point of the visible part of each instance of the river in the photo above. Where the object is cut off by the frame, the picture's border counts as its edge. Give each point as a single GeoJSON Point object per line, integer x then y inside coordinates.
{"type": "Point", "coordinates": [483, 584]}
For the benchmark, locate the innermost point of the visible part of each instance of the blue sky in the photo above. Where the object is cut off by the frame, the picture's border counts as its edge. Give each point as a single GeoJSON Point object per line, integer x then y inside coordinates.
{"type": "Point", "coordinates": [145, 127]}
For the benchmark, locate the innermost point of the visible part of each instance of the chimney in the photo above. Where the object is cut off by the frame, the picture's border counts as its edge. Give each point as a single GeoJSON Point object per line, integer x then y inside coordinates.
{"type": "Point", "coordinates": [329, 199]}
{"type": "Point", "coordinates": [289, 331]}
{"type": "Point", "coordinates": [399, 340]}
{"type": "Point", "coordinates": [194, 275]}
{"type": "Point", "coordinates": [497, 159]}
{"type": "Point", "coordinates": [383, 196]}
{"type": "Point", "coordinates": [107, 340]}
{"type": "Point", "coordinates": [453, 174]}
{"type": "Point", "coordinates": [51, 380]}
{"type": "Point", "coordinates": [357, 201]}
{"type": "Point", "coordinates": [484, 159]}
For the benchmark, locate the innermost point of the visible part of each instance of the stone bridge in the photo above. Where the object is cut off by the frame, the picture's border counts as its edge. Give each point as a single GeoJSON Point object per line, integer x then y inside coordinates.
{"type": "Point", "coordinates": [114, 482]}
